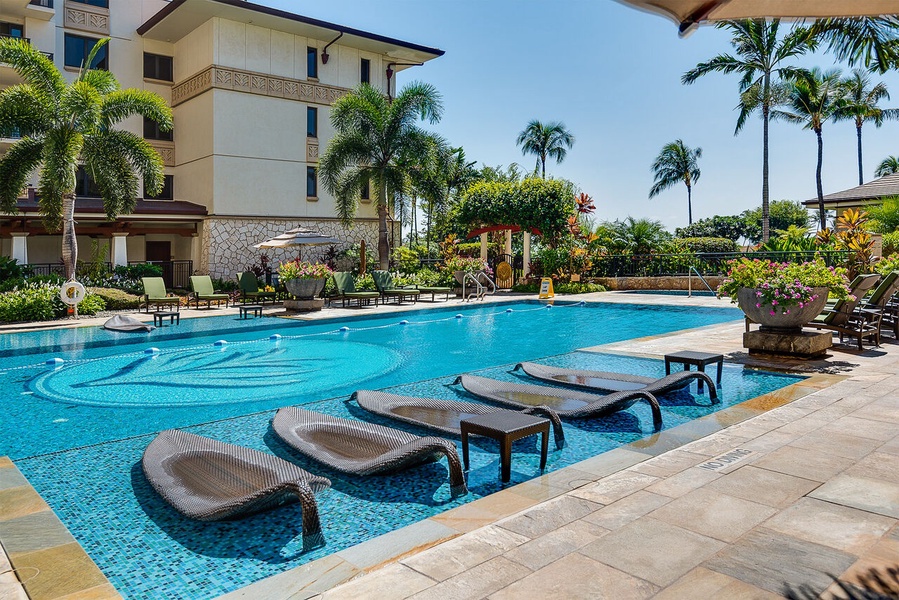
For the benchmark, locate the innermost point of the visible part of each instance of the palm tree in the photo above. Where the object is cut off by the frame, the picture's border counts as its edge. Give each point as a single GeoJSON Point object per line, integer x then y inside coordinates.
{"type": "Point", "coordinates": [815, 98]}
{"type": "Point", "coordinates": [550, 140]}
{"type": "Point", "coordinates": [760, 59]}
{"type": "Point", "coordinates": [64, 125]}
{"type": "Point", "coordinates": [373, 134]}
{"type": "Point", "coordinates": [675, 163]}
{"type": "Point", "coordinates": [889, 166]}
{"type": "Point", "coordinates": [872, 42]}
{"type": "Point", "coordinates": [860, 104]}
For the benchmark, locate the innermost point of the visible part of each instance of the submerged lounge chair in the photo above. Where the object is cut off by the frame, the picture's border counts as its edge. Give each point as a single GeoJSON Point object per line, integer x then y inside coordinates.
{"type": "Point", "coordinates": [441, 415]}
{"type": "Point", "coordinates": [567, 403]}
{"type": "Point", "coordinates": [155, 293]}
{"type": "Point", "coordinates": [346, 290]}
{"type": "Point", "coordinates": [385, 285]}
{"type": "Point", "coordinates": [209, 480]}
{"type": "Point", "coordinates": [360, 448]}
{"type": "Point", "coordinates": [845, 319]}
{"type": "Point", "coordinates": [201, 286]}
{"type": "Point", "coordinates": [249, 289]}
{"type": "Point", "coordinates": [616, 382]}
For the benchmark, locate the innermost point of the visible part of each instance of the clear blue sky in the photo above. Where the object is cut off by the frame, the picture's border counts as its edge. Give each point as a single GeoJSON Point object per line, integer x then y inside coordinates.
{"type": "Point", "coordinates": [612, 75]}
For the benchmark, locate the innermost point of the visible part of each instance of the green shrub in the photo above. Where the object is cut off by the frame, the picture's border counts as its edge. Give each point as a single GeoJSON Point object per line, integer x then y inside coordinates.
{"type": "Point", "coordinates": [703, 244]}
{"type": "Point", "coordinates": [138, 270]}
{"type": "Point", "coordinates": [580, 287]}
{"type": "Point", "coordinates": [887, 265]}
{"type": "Point", "coordinates": [405, 259]}
{"type": "Point", "coordinates": [890, 243]}
{"type": "Point", "coordinates": [365, 283]}
{"type": "Point", "coordinates": [40, 302]}
{"type": "Point", "coordinates": [224, 286]}
{"type": "Point", "coordinates": [91, 305]}
{"type": "Point", "coordinates": [10, 269]}
{"type": "Point", "coordinates": [116, 299]}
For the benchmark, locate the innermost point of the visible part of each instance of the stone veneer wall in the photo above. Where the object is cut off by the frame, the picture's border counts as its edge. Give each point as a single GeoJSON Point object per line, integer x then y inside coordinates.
{"type": "Point", "coordinates": [227, 246]}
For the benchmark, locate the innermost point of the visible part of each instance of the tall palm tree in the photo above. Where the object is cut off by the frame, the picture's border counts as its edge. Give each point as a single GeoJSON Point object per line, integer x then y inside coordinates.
{"type": "Point", "coordinates": [760, 59]}
{"type": "Point", "coordinates": [373, 134]}
{"type": "Point", "coordinates": [815, 98]}
{"type": "Point", "coordinates": [550, 140]}
{"type": "Point", "coordinates": [859, 104]}
{"type": "Point", "coordinates": [677, 163]}
{"type": "Point", "coordinates": [872, 42]}
{"type": "Point", "coordinates": [889, 166]}
{"type": "Point", "coordinates": [64, 125]}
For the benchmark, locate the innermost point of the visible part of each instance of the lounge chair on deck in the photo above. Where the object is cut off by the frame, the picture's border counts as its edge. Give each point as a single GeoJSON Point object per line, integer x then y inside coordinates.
{"type": "Point", "coordinates": [346, 290]}
{"type": "Point", "coordinates": [201, 286]}
{"type": "Point", "coordinates": [567, 403]}
{"type": "Point", "coordinates": [441, 415]}
{"type": "Point", "coordinates": [617, 382]}
{"type": "Point", "coordinates": [385, 285]}
{"type": "Point", "coordinates": [209, 480]}
{"type": "Point", "coordinates": [155, 293]}
{"type": "Point", "coordinates": [881, 304]}
{"type": "Point", "coordinates": [249, 289]}
{"type": "Point", "coordinates": [360, 448]}
{"type": "Point", "coordinates": [845, 318]}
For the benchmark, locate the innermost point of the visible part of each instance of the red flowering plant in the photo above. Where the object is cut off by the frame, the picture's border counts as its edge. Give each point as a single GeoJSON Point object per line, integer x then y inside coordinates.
{"type": "Point", "coordinates": [783, 285]}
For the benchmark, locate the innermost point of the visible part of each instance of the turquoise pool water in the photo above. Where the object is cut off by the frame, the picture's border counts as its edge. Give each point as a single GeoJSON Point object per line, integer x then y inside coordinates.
{"type": "Point", "coordinates": [77, 431]}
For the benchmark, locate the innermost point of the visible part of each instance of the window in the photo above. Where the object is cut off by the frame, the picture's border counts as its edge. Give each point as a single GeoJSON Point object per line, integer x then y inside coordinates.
{"type": "Point", "coordinates": [77, 48]}
{"type": "Point", "coordinates": [13, 30]}
{"type": "Point", "coordinates": [152, 131]}
{"type": "Point", "coordinates": [311, 121]}
{"type": "Point", "coordinates": [366, 191]}
{"type": "Point", "coordinates": [312, 62]}
{"type": "Point", "coordinates": [157, 67]}
{"type": "Point", "coordinates": [311, 182]}
{"type": "Point", "coordinates": [168, 190]}
{"type": "Point", "coordinates": [85, 186]}
{"type": "Point", "coordinates": [100, 3]}
{"type": "Point", "coordinates": [365, 71]}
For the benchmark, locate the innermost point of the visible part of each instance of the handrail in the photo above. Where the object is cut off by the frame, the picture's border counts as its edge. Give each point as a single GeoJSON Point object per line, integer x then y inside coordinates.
{"type": "Point", "coordinates": [480, 289]}
{"type": "Point", "coordinates": [690, 272]}
{"type": "Point", "coordinates": [482, 275]}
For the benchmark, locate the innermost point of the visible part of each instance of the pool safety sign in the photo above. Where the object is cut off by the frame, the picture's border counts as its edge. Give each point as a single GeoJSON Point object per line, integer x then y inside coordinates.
{"type": "Point", "coordinates": [546, 288]}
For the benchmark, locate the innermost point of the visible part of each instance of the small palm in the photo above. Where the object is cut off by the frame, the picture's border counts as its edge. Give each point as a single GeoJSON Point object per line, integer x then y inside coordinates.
{"type": "Point", "coordinates": [889, 166]}
{"type": "Point", "coordinates": [676, 163]}
{"type": "Point", "coordinates": [550, 140]}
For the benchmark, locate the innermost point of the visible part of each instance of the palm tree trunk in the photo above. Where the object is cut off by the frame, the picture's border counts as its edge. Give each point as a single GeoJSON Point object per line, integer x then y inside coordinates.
{"type": "Point", "coordinates": [689, 205]}
{"type": "Point", "coordinates": [383, 245]}
{"type": "Point", "coordinates": [766, 230]}
{"type": "Point", "coordinates": [414, 233]}
{"type": "Point", "coordinates": [69, 241]}
{"type": "Point", "coordinates": [822, 214]}
{"type": "Point", "coordinates": [858, 131]}
{"type": "Point", "coordinates": [543, 165]}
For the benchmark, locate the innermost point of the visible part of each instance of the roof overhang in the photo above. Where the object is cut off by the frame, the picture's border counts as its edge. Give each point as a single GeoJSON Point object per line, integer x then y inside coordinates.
{"type": "Point", "coordinates": [181, 17]}
{"type": "Point", "coordinates": [690, 13]}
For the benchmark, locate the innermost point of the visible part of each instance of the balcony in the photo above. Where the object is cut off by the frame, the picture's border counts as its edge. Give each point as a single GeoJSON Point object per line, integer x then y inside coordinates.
{"type": "Point", "coordinates": [36, 9]}
{"type": "Point", "coordinates": [8, 138]}
{"type": "Point", "coordinates": [7, 75]}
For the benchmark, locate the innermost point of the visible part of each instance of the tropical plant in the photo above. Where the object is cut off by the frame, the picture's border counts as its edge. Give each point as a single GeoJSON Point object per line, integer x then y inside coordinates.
{"type": "Point", "coordinates": [885, 217]}
{"type": "Point", "coordinates": [701, 245]}
{"type": "Point", "coordinates": [782, 214]}
{"type": "Point", "coordinates": [372, 134]}
{"type": "Point", "coordinates": [782, 285]}
{"type": "Point", "coordinates": [676, 163]}
{"type": "Point", "coordinates": [761, 58]}
{"type": "Point", "coordinates": [640, 236]}
{"type": "Point", "coordinates": [298, 269]}
{"type": "Point", "coordinates": [859, 104]}
{"type": "Point", "coordinates": [511, 174]}
{"type": "Point", "coordinates": [64, 125]}
{"type": "Point", "coordinates": [814, 98]}
{"type": "Point", "coordinates": [732, 227]}
{"type": "Point", "coordinates": [890, 243]}
{"type": "Point", "coordinates": [872, 42]}
{"type": "Point", "coordinates": [853, 237]}
{"type": "Point", "coordinates": [793, 239]}
{"type": "Point", "coordinates": [888, 166]}
{"type": "Point", "coordinates": [467, 265]}
{"type": "Point", "coordinates": [550, 140]}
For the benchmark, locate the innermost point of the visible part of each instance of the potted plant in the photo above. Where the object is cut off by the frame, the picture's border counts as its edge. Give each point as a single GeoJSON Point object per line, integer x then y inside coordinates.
{"type": "Point", "coordinates": [303, 279]}
{"type": "Point", "coordinates": [782, 296]}
{"type": "Point", "coordinates": [460, 265]}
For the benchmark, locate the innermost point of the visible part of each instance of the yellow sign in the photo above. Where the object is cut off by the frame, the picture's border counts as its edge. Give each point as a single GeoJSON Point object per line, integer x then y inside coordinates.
{"type": "Point", "coordinates": [546, 288]}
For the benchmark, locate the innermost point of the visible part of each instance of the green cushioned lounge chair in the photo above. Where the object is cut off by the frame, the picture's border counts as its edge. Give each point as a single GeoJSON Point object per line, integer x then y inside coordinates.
{"type": "Point", "coordinates": [249, 289]}
{"type": "Point", "coordinates": [385, 285]}
{"type": "Point", "coordinates": [881, 304]}
{"type": "Point", "coordinates": [155, 293]}
{"type": "Point", "coordinates": [346, 290]}
{"type": "Point", "coordinates": [845, 319]}
{"type": "Point", "coordinates": [201, 286]}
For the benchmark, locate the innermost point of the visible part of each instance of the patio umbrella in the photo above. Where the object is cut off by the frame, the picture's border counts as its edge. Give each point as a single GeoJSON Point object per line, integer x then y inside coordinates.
{"type": "Point", "coordinates": [298, 238]}
{"type": "Point", "coordinates": [690, 13]}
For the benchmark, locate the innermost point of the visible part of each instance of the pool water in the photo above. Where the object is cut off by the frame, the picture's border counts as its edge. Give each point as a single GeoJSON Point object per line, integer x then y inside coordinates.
{"type": "Point", "coordinates": [77, 431]}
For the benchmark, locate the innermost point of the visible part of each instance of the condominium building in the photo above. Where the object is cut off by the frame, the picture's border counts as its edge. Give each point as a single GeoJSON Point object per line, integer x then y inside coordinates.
{"type": "Point", "coordinates": [250, 88]}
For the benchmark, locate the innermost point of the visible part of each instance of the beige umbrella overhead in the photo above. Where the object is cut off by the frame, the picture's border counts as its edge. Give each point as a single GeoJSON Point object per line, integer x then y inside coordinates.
{"type": "Point", "coordinates": [690, 13]}
{"type": "Point", "coordinates": [297, 238]}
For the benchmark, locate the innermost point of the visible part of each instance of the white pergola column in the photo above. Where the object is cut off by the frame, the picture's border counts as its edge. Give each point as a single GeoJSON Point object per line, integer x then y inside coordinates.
{"type": "Point", "coordinates": [119, 250]}
{"type": "Point", "coordinates": [526, 252]}
{"type": "Point", "coordinates": [20, 247]}
{"type": "Point", "coordinates": [507, 247]}
{"type": "Point", "coordinates": [483, 246]}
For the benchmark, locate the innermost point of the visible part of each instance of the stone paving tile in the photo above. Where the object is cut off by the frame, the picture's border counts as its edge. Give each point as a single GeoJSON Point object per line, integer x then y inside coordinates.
{"type": "Point", "coordinates": [10, 477]}
{"type": "Point", "coordinates": [769, 441]}
{"type": "Point", "coordinates": [763, 486]}
{"type": "Point", "coordinates": [478, 582]}
{"type": "Point", "coordinates": [610, 462]}
{"type": "Point", "coordinates": [877, 465]}
{"type": "Point", "coordinates": [548, 516]}
{"type": "Point", "coordinates": [36, 531]}
{"type": "Point", "coordinates": [713, 514]}
{"type": "Point", "coordinates": [684, 482]}
{"type": "Point", "coordinates": [100, 592]}
{"type": "Point", "coordinates": [878, 412]}
{"type": "Point", "coordinates": [20, 501]}
{"type": "Point", "coordinates": [393, 581]}
{"type": "Point", "coordinates": [806, 464]}
{"type": "Point", "coordinates": [669, 464]}
{"type": "Point", "coordinates": [484, 511]}
{"type": "Point", "coordinates": [881, 497]}
{"type": "Point", "coordinates": [716, 444]}
{"type": "Point", "coordinates": [891, 447]}
{"type": "Point", "coordinates": [61, 570]}
{"type": "Point", "coordinates": [305, 581]}
{"type": "Point", "coordinates": [770, 560]}
{"type": "Point", "coordinates": [866, 428]}
{"type": "Point", "coordinates": [397, 542]}
{"type": "Point", "coordinates": [568, 578]}
{"type": "Point", "coordinates": [804, 425]}
{"type": "Point", "coordinates": [627, 509]}
{"type": "Point", "coordinates": [615, 487]}
{"type": "Point", "coordinates": [547, 548]}
{"type": "Point", "coordinates": [883, 553]}
{"type": "Point", "coordinates": [455, 556]}
{"type": "Point", "coordinates": [653, 550]}
{"type": "Point", "coordinates": [847, 529]}
{"type": "Point", "coordinates": [703, 583]}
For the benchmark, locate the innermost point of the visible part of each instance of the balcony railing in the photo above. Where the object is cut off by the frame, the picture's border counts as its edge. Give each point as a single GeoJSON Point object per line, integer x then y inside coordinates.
{"type": "Point", "coordinates": [43, 3]}
{"type": "Point", "coordinates": [19, 37]}
{"type": "Point", "coordinates": [15, 37]}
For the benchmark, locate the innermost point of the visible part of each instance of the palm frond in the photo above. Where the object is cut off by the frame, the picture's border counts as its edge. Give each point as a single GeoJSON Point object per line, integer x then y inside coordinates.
{"type": "Point", "coordinates": [23, 109]}
{"type": "Point", "coordinates": [16, 167]}
{"type": "Point", "coordinates": [80, 106]}
{"type": "Point", "coordinates": [35, 68]}
{"type": "Point", "coordinates": [102, 81]}
{"type": "Point", "coordinates": [120, 104]}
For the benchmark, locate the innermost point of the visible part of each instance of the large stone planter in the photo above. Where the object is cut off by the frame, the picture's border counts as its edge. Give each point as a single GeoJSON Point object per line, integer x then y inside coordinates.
{"type": "Point", "coordinates": [780, 322]}
{"type": "Point", "coordinates": [305, 288]}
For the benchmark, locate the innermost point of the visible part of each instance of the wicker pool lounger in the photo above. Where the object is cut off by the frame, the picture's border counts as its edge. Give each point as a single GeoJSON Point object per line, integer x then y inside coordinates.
{"type": "Point", "coordinates": [360, 448]}
{"type": "Point", "coordinates": [441, 415]}
{"type": "Point", "coordinates": [617, 382]}
{"type": "Point", "coordinates": [567, 403]}
{"type": "Point", "coordinates": [209, 480]}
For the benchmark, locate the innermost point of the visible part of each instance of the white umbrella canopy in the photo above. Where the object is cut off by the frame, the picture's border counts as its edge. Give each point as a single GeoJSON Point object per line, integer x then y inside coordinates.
{"type": "Point", "coordinates": [690, 13]}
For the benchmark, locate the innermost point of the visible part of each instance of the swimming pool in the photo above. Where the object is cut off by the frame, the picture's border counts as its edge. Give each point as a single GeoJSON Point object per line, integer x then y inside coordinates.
{"type": "Point", "coordinates": [77, 431]}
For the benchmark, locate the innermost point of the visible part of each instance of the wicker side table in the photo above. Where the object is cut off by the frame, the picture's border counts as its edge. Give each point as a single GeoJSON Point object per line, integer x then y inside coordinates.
{"type": "Point", "coordinates": [505, 427]}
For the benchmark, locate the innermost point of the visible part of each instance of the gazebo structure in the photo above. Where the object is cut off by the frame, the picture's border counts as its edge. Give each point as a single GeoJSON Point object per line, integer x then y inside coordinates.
{"type": "Point", "coordinates": [507, 248]}
{"type": "Point", "coordinates": [862, 196]}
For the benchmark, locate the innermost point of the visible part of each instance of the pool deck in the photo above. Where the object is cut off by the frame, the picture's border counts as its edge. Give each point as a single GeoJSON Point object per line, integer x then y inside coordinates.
{"type": "Point", "coordinates": [806, 483]}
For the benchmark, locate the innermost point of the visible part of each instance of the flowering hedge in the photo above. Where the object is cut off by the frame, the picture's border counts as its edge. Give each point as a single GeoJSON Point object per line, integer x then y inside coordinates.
{"type": "Point", "coordinates": [468, 265]}
{"type": "Point", "coordinates": [298, 269]}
